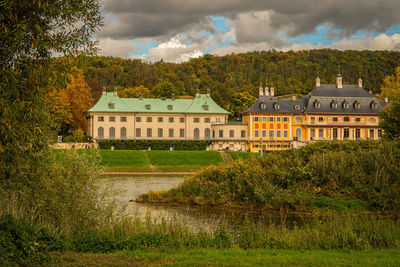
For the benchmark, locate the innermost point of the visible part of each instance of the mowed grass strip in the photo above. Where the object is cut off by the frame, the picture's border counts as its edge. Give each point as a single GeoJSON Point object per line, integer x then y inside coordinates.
{"type": "Point", "coordinates": [171, 161]}
{"type": "Point", "coordinates": [232, 257]}
{"type": "Point", "coordinates": [124, 160]}
{"type": "Point", "coordinates": [242, 155]}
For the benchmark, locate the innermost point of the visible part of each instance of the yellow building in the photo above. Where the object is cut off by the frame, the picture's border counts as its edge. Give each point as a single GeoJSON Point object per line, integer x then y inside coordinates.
{"type": "Point", "coordinates": [328, 112]}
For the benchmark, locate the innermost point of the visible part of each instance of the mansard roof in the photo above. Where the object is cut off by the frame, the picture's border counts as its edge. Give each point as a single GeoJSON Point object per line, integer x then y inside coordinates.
{"type": "Point", "coordinates": [285, 106]}
{"type": "Point", "coordinates": [202, 103]}
{"type": "Point", "coordinates": [331, 90]}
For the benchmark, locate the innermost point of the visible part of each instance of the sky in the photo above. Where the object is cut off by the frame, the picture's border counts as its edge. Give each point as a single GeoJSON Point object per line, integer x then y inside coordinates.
{"type": "Point", "coordinates": [177, 30]}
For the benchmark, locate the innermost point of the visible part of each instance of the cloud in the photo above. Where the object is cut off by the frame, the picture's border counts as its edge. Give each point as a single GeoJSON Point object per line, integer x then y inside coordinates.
{"type": "Point", "coordinates": [117, 48]}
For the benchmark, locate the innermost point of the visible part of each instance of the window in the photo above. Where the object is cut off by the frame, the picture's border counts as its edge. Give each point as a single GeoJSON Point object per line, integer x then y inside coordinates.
{"type": "Point", "coordinates": [123, 133]}
{"type": "Point", "coordinates": [149, 132]}
{"type": "Point", "coordinates": [380, 133]}
{"type": "Point", "coordinates": [358, 119]}
{"type": "Point", "coordinates": [278, 119]}
{"type": "Point", "coordinates": [298, 133]}
{"type": "Point", "coordinates": [206, 107]}
{"type": "Point", "coordinates": [335, 119]}
{"type": "Point", "coordinates": [100, 133]}
{"type": "Point", "coordinates": [263, 106]}
{"type": "Point", "coordinates": [334, 105]}
{"type": "Point", "coordinates": [271, 119]}
{"type": "Point", "coordinates": [285, 119]}
{"type": "Point", "coordinates": [312, 119]}
{"type": "Point", "coordinates": [243, 133]}
{"type": "Point", "coordinates": [271, 134]}
{"type": "Point", "coordinates": [358, 133]}
{"type": "Point", "coordinates": [321, 133]}
{"type": "Point", "coordinates": [298, 119]}
{"type": "Point", "coordinates": [196, 133]}
{"type": "Point", "coordinates": [371, 120]}
{"type": "Point", "coordinates": [371, 133]}
{"type": "Point", "coordinates": [138, 119]}
{"type": "Point", "coordinates": [112, 119]}
{"type": "Point", "coordinates": [221, 133]}
{"type": "Point", "coordinates": [346, 119]}
{"type": "Point", "coordinates": [276, 106]}
{"type": "Point", "coordinates": [123, 119]}
{"type": "Point", "coordinates": [346, 105]}
{"type": "Point", "coordinates": [312, 134]}
{"type": "Point", "coordinates": [321, 119]}
{"type": "Point", "coordinates": [213, 134]}
{"type": "Point", "coordinates": [149, 119]}
{"type": "Point", "coordinates": [207, 120]}
{"type": "Point", "coordinates": [160, 132]}
{"type": "Point", "coordinates": [181, 119]}
{"type": "Point", "coordinates": [196, 120]}
{"type": "Point", "coordinates": [255, 119]}
{"type": "Point", "coordinates": [148, 107]}
{"type": "Point", "coordinates": [334, 133]}
{"type": "Point", "coordinates": [357, 105]}
{"type": "Point", "coordinates": [171, 132]}
{"type": "Point", "coordinates": [278, 134]}
{"type": "Point", "coordinates": [100, 118]}
{"type": "Point", "coordinates": [256, 133]}
{"type": "Point", "coordinates": [264, 133]}
{"type": "Point", "coordinates": [138, 132]}
{"type": "Point", "coordinates": [181, 132]}
{"type": "Point", "coordinates": [297, 107]}
{"type": "Point", "coordinates": [346, 133]}
{"type": "Point", "coordinates": [317, 104]}
{"type": "Point", "coordinates": [112, 133]}
{"type": "Point", "coordinates": [169, 107]}
{"type": "Point", "coordinates": [160, 119]}
{"type": "Point", "coordinates": [231, 133]}
{"type": "Point", "coordinates": [217, 120]}
{"type": "Point", "coordinates": [207, 133]}
{"type": "Point", "coordinates": [264, 119]}
{"type": "Point", "coordinates": [111, 105]}
{"type": "Point", "coordinates": [285, 133]}
{"type": "Point", "coordinates": [171, 119]}
{"type": "Point", "coordinates": [374, 105]}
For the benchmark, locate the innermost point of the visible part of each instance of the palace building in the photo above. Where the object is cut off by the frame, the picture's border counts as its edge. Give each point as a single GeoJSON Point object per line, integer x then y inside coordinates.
{"type": "Point", "coordinates": [328, 112]}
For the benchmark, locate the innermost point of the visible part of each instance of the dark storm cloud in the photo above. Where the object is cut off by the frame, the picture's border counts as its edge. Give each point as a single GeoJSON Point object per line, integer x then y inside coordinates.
{"type": "Point", "coordinates": [165, 18]}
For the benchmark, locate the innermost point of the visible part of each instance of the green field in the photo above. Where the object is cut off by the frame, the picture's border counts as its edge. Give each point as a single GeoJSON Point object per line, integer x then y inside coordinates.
{"type": "Point", "coordinates": [163, 161]}
{"type": "Point", "coordinates": [232, 257]}
{"type": "Point", "coordinates": [242, 155]}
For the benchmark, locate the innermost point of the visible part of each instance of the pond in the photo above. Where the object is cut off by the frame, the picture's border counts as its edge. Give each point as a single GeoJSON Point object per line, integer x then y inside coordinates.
{"type": "Point", "coordinates": [128, 188]}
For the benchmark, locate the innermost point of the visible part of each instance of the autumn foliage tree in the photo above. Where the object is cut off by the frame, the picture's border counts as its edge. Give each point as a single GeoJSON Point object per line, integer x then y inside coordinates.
{"type": "Point", "coordinates": [134, 92]}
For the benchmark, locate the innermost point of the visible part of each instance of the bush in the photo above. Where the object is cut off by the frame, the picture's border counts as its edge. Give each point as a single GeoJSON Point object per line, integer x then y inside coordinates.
{"type": "Point", "coordinates": [154, 145]}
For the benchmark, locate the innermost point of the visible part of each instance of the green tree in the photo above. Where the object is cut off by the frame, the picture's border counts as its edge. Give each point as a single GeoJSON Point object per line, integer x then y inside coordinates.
{"type": "Point", "coordinates": [164, 89]}
{"type": "Point", "coordinates": [134, 92]}
{"type": "Point", "coordinates": [390, 117]}
{"type": "Point", "coordinates": [241, 101]}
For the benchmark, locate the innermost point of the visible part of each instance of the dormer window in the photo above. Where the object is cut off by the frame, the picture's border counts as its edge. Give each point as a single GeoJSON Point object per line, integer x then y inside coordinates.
{"type": "Point", "coordinates": [357, 105]}
{"type": "Point", "coordinates": [148, 106]}
{"type": "Point", "coordinates": [206, 107]}
{"type": "Point", "coordinates": [111, 105]}
{"type": "Point", "coordinates": [297, 107]}
{"type": "Point", "coordinates": [374, 105]}
{"type": "Point", "coordinates": [334, 105]}
{"type": "Point", "coordinates": [317, 104]}
{"type": "Point", "coordinates": [276, 106]}
{"type": "Point", "coordinates": [169, 107]}
{"type": "Point", "coordinates": [263, 106]}
{"type": "Point", "coordinates": [346, 105]}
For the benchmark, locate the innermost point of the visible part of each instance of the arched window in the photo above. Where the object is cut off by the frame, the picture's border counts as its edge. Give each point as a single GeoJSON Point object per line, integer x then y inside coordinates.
{"type": "Point", "coordinates": [346, 105]}
{"type": "Point", "coordinates": [207, 133]}
{"type": "Point", "coordinates": [123, 133]}
{"type": "Point", "coordinates": [112, 133]}
{"type": "Point", "coordinates": [276, 106]}
{"type": "Point", "coordinates": [263, 106]}
{"type": "Point", "coordinates": [100, 133]}
{"type": "Point", "coordinates": [317, 104]}
{"type": "Point", "coordinates": [196, 133]}
{"type": "Point", "coordinates": [357, 105]}
{"type": "Point", "coordinates": [298, 133]}
{"type": "Point", "coordinates": [374, 105]}
{"type": "Point", "coordinates": [334, 105]}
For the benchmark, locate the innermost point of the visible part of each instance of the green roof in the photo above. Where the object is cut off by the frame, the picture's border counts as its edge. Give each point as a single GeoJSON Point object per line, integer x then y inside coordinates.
{"type": "Point", "coordinates": [202, 103]}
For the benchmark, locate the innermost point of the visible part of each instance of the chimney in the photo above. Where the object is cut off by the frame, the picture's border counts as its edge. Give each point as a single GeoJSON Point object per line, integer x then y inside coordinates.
{"type": "Point", "coordinates": [104, 91]}
{"type": "Point", "coordinates": [317, 82]}
{"type": "Point", "coordinates": [197, 92]}
{"type": "Point", "coordinates": [173, 96]}
{"type": "Point", "coordinates": [272, 90]}
{"type": "Point", "coordinates": [360, 82]}
{"type": "Point", "coordinates": [339, 81]}
{"type": "Point", "coordinates": [208, 92]}
{"type": "Point", "coordinates": [115, 91]}
{"type": "Point", "coordinates": [386, 99]}
{"type": "Point", "coordinates": [293, 98]}
{"type": "Point", "coordinates": [260, 91]}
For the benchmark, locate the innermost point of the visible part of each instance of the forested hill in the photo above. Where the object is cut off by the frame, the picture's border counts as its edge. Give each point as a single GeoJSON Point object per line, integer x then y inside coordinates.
{"type": "Point", "coordinates": [290, 72]}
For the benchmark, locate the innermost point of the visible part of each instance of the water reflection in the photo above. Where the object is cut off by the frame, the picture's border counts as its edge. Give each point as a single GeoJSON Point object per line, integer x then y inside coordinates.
{"type": "Point", "coordinates": [206, 218]}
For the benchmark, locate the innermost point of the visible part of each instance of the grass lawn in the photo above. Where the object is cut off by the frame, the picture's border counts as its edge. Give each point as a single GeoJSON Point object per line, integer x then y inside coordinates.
{"type": "Point", "coordinates": [124, 160]}
{"type": "Point", "coordinates": [183, 160]}
{"type": "Point", "coordinates": [232, 257]}
{"type": "Point", "coordinates": [242, 155]}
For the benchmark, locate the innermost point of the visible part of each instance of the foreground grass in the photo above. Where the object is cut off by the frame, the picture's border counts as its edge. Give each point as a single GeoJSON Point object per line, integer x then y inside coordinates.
{"type": "Point", "coordinates": [232, 257]}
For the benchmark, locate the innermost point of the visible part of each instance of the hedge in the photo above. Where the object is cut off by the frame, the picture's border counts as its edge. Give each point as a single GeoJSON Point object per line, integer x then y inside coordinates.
{"type": "Point", "coordinates": [155, 145]}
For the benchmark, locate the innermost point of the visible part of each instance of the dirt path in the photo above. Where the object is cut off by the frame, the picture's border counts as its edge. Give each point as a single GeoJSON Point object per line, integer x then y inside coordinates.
{"type": "Point", "coordinates": [152, 167]}
{"type": "Point", "coordinates": [226, 157]}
